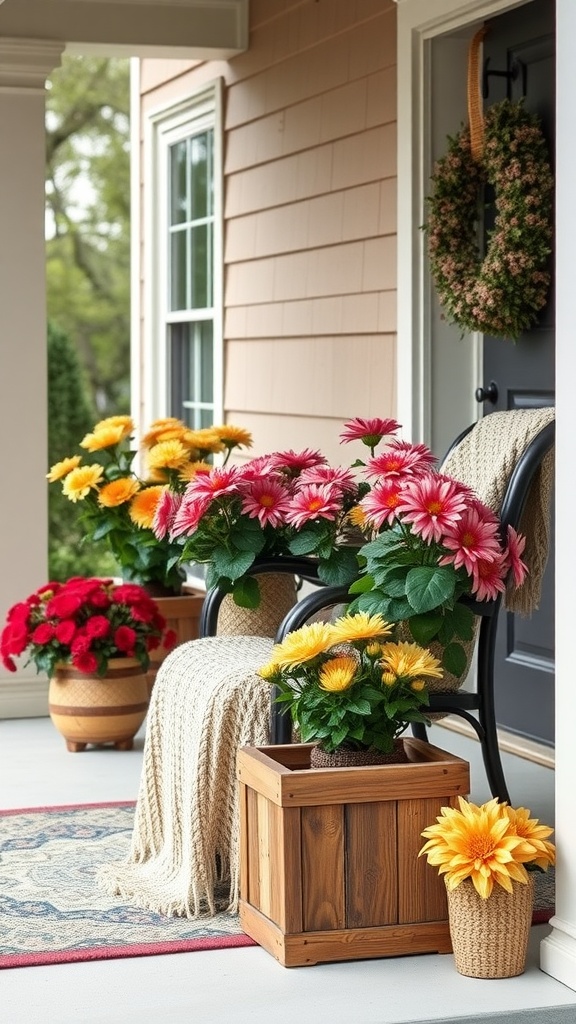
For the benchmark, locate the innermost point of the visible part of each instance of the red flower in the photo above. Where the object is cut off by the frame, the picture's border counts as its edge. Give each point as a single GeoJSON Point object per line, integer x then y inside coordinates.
{"type": "Point", "coordinates": [14, 639]}
{"type": "Point", "coordinates": [170, 640]}
{"type": "Point", "coordinates": [125, 640]}
{"type": "Point", "coordinates": [64, 605]}
{"type": "Point", "coordinates": [81, 643]}
{"type": "Point", "coordinates": [85, 661]}
{"type": "Point", "coordinates": [97, 626]}
{"type": "Point", "coordinates": [43, 633]}
{"type": "Point", "coordinates": [64, 631]}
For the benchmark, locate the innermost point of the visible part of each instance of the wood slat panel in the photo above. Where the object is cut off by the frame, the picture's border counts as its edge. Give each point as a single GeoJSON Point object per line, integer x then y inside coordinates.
{"type": "Point", "coordinates": [253, 847]}
{"type": "Point", "coordinates": [323, 867]}
{"type": "Point", "coordinates": [422, 890]}
{"type": "Point", "coordinates": [287, 871]}
{"type": "Point", "coordinates": [263, 807]}
{"type": "Point", "coordinates": [244, 833]}
{"type": "Point", "coordinates": [370, 864]}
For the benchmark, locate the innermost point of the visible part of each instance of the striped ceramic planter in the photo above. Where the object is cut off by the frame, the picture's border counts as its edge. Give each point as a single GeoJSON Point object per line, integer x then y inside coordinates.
{"type": "Point", "coordinates": [87, 708]}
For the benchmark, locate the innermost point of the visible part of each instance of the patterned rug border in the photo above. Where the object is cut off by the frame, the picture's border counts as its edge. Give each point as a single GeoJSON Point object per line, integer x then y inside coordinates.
{"type": "Point", "coordinates": [125, 951]}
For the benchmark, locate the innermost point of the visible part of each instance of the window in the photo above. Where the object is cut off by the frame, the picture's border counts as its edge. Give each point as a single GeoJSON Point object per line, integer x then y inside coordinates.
{"type": "Point", "coordinates": [183, 362]}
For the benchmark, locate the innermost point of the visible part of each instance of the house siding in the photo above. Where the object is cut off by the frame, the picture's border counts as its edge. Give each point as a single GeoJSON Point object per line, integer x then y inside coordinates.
{"type": "Point", "coordinates": [309, 216]}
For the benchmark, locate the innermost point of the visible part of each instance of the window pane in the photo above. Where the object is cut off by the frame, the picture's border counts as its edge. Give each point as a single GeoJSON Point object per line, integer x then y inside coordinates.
{"type": "Point", "coordinates": [199, 175]}
{"type": "Point", "coordinates": [178, 275]}
{"type": "Point", "coordinates": [178, 190]}
{"type": "Point", "coordinates": [192, 373]}
{"type": "Point", "coordinates": [200, 273]}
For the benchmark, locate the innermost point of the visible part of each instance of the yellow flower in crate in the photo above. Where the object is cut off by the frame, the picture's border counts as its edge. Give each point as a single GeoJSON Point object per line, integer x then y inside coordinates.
{"type": "Point", "coordinates": [488, 843]}
{"type": "Point", "coordinates": [344, 688]}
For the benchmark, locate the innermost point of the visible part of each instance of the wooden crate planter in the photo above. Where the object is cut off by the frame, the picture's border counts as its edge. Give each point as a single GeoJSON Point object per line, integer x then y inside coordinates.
{"type": "Point", "coordinates": [329, 865]}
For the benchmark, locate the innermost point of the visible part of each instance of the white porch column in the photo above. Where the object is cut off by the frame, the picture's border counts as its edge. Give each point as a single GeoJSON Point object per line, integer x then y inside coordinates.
{"type": "Point", "coordinates": [24, 66]}
{"type": "Point", "coordinates": [558, 950]}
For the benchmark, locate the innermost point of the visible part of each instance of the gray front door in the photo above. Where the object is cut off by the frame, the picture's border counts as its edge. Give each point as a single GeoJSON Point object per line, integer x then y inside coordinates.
{"type": "Point", "coordinates": [523, 372]}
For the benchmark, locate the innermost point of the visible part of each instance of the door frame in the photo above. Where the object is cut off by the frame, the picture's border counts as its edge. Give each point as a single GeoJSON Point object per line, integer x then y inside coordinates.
{"type": "Point", "coordinates": [438, 370]}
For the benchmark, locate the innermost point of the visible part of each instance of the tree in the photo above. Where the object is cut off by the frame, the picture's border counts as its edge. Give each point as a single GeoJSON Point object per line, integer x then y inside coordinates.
{"type": "Point", "coordinates": [70, 416]}
{"type": "Point", "coordinates": [88, 218]}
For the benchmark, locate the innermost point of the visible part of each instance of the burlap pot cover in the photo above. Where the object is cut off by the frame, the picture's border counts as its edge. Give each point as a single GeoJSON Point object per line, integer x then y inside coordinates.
{"type": "Point", "coordinates": [277, 597]}
{"type": "Point", "coordinates": [490, 937]}
{"type": "Point", "coordinates": [344, 757]}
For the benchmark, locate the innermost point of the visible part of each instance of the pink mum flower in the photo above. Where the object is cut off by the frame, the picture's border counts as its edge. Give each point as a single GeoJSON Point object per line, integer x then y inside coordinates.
{"type": "Point", "coordinates": [166, 509]}
{"type": "Point", "coordinates": [516, 545]}
{"type": "Point", "coordinates": [469, 539]}
{"type": "Point", "coordinates": [337, 476]}
{"type": "Point", "coordinates": [487, 579]}
{"type": "Point", "coordinates": [293, 463]}
{"type": "Point", "coordinates": [313, 502]}
{"type": "Point", "coordinates": [256, 468]}
{"type": "Point", "coordinates": [370, 432]}
{"type": "Point", "coordinates": [188, 515]}
{"type": "Point", "coordinates": [214, 484]}
{"type": "Point", "coordinates": [268, 501]}
{"type": "Point", "coordinates": [432, 505]}
{"type": "Point", "coordinates": [427, 458]}
{"type": "Point", "coordinates": [381, 504]}
{"type": "Point", "coordinates": [403, 461]}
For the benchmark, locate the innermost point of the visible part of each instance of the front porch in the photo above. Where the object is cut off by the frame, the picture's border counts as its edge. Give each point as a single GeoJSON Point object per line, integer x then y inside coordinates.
{"type": "Point", "coordinates": [247, 985]}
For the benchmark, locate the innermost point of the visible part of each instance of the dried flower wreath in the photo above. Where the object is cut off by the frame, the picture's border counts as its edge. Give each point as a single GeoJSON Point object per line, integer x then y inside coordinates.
{"type": "Point", "coordinates": [502, 292]}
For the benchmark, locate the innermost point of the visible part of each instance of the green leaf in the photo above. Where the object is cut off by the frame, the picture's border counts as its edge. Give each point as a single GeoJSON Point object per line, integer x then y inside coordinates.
{"type": "Point", "coordinates": [361, 585]}
{"type": "Point", "coordinates": [425, 627]}
{"type": "Point", "coordinates": [305, 542]}
{"type": "Point", "coordinates": [463, 620]}
{"type": "Point", "coordinates": [428, 587]}
{"type": "Point", "coordinates": [454, 659]}
{"type": "Point", "coordinates": [360, 707]}
{"type": "Point", "coordinates": [248, 536]}
{"type": "Point", "coordinates": [233, 564]}
{"type": "Point", "coordinates": [340, 569]}
{"type": "Point", "coordinates": [393, 582]}
{"type": "Point", "coordinates": [246, 592]}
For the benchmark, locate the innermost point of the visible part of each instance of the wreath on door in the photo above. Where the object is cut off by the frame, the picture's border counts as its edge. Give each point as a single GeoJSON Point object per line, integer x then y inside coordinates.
{"type": "Point", "coordinates": [501, 291]}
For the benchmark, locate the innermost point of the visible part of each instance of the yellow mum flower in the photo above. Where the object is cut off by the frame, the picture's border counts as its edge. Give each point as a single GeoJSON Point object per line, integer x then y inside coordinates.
{"type": "Point", "coordinates": [167, 455]}
{"type": "Point", "coordinates": [205, 440]}
{"type": "Point", "coordinates": [60, 469]}
{"type": "Point", "coordinates": [80, 481]}
{"type": "Point", "coordinates": [104, 438]}
{"type": "Point", "coordinates": [360, 626]}
{"type": "Point", "coordinates": [406, 659]}
{"type": "Point", "coordinates": [191, 469]}
{"type": "Point", "coordinates": [530, 829]}
{"type": "Point", "coordinates": [475, 842]}
{"type": "Point", "coordinates": [417, 685]}
{"type": "Point", "coordinates": [303, 644]}
{"type": "Point", "coordinates": [269, 671]}
{"type": "Point", "coordinates": [118, 492]}
{"type": "Point", "coordinates": [374, 649]}
{"type": "Point", "coordinates": [144, 505]}
{"type": "Point", "coordinates": [337, 674]}
{"type": "Point", "coordinates": [126, 422]}
{"type": "Point", "coordinates": [357, 516]}
{"type": "Point", "coordinates": [232, 436]}
{"type": "Point", "coordinates": [158, 427]}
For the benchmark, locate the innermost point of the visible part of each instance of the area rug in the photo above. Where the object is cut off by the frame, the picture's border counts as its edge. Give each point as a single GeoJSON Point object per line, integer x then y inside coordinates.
{"type": "Point", "coordinates": [51, 910]}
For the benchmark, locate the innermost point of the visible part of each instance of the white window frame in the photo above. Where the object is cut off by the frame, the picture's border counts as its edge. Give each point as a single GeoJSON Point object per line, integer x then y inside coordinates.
{"type": "Point", "coordinates": [163, 127]}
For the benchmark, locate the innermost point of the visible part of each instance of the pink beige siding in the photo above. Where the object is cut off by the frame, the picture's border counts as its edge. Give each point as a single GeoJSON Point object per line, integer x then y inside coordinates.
{"type": "Point", "coordinates": [310, 216]}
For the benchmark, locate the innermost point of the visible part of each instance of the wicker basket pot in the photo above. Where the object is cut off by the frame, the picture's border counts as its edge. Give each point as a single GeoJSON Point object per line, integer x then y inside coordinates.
{"type": "Point", "coordinates": [490, 936]}
{"type": "Point", "coordinates": [277, 596]}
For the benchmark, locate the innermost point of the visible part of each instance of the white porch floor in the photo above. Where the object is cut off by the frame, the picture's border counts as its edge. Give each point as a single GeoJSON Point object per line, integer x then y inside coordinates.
{"type": "Point", "coordinates": [247, 986]}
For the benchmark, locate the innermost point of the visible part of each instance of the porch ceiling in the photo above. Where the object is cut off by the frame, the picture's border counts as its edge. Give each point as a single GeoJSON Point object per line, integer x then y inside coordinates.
{"type": "Point", "coordinates": [189, 29]}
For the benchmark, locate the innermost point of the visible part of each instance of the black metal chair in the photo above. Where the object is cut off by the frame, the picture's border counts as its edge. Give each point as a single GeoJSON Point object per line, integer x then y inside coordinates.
{"type": "Point", "coordinates": [462, 702]}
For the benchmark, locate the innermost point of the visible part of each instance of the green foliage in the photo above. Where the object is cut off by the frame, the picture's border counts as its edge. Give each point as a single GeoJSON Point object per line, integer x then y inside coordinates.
{"type": "Point", "coordinates": [88, 214]}
{"type": "Point", "coordinates": [70, 416]}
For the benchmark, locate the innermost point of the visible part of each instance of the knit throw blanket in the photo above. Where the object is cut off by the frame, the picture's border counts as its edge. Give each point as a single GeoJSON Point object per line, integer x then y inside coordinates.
{"type": "Point", "coordinates": [484, 460]}
{"type": "Point", "coordinates": [207, 702]}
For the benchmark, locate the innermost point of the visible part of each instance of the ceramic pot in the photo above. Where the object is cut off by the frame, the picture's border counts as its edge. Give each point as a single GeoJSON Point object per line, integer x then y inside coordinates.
{"type": "Point", "coordinates": [88, 708]}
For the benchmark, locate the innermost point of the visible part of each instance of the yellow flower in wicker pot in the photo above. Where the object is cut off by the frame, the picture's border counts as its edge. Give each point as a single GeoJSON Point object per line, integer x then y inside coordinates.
{"type": "Point", "coordinates": [350, 690]}
{"type": "Point", "coordinates": [484, 853]}
{"type": "Point", "coordinates": [93, 638]}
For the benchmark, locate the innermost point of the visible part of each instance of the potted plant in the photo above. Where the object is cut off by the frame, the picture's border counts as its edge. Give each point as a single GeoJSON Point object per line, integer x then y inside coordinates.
{"type": "Point", "coordinates": [486, 854]}
{"type": "Point", "coordinates": [350, 689]}
{"type": "Point", "coordinates": [93, 638]}
{"type": "Point", "coordinates": [117, 504]}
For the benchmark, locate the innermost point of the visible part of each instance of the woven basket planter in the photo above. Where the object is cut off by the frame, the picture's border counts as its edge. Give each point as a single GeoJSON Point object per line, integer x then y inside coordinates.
{"type": "Point", "coordinates": [277, 596]}
{"type": "Point", "coordinates": [490, 937]}
{"type": "Point", "coordinates": [329, 866]}
{"type": "Point", "coordinates": [88, 708]}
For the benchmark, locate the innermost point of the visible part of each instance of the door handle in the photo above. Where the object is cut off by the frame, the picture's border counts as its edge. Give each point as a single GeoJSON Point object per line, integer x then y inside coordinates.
{"type": "Point", "coordinates": [489, 394]}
